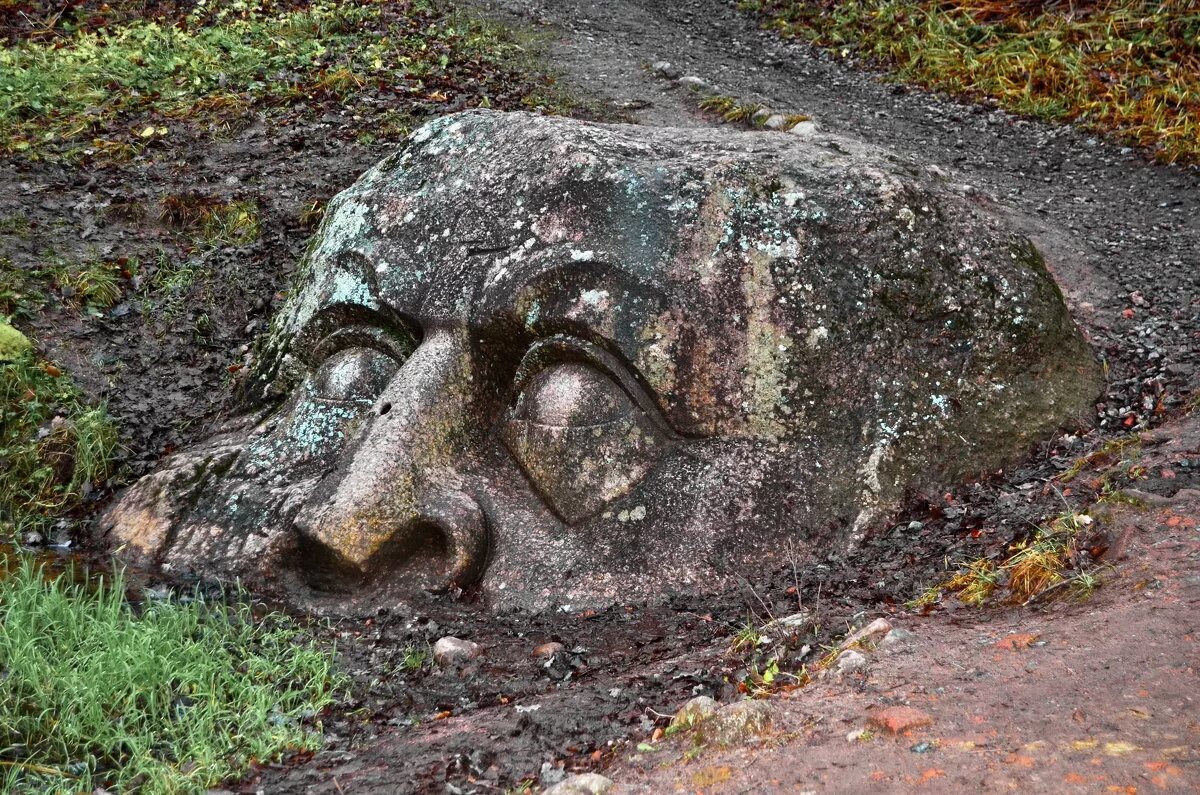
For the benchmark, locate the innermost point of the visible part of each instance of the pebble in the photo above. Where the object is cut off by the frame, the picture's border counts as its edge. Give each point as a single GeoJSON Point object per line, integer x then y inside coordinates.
{"type": "Point", "coordinates": [896, 639]}
{"type": "Point", "coordinates": [805, 129]}
{"type": "Point", "coordinates": [698, 709]}
{"type": "Point", "coordinates": [547, 650]}
{"type": "Point", "coordinates": [776, 121]}
{"type": "Point", "coordinates": [697, 84]}
{"type": "Point", "coordinates": [897, 720]}
{"type": "Point", "coordinates": [737, 723]}
{"type": "Point", "coordinates": [850, 661]}
{"type": "Point", "coordinates": [450, 651]}
{"type": "Point", "coordinates": [582, 784]}
{"type": "Point", "coordinates": [872, 633]}
{"type": "Point", "coordinates": [666, 69]}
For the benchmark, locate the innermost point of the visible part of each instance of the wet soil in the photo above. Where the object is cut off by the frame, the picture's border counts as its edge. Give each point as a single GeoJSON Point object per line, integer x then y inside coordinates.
{"type": "Point", "coordinates": [1122, 236]}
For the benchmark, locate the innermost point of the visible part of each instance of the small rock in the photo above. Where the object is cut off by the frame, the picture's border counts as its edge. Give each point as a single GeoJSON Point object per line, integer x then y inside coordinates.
{"type": "Point", "coordinates": [737, 723]}
{"type": "Point", "coordinates": [922, 747]}
{"type": "Point", "coordinates": [698, 709]}
{"type": "Point", "coordinates": [450, 651]}
{"type": "Point", "coordinates": [794, 621]}
{"type": "Point", "coordinates": [870, 634]}
{"type": "Point", "coordinates": [551, 774]}
{"type": "Point", "coordinates": [666, 69]}
{"type": "Point", "coordinates": [547, 650]}
{"type": "Point", "coordinates": [776, 121]}
{"type": "Point", "coordinates": [805, 129]}
{"type": "Point", "coordinates": [32, 539]}
{"type": "Point", "coordinates": [760, 116]}
{"type": "Point", "coordinates": [697, 84]}
{"type": "Point", "coordinates": [897, 638]}
{"type": "Point", "coordinates": [897, 720]}
{"type": "Point", "coordinates": [583, 784]}
{"type": "Point", "coordinates": [850, 661]}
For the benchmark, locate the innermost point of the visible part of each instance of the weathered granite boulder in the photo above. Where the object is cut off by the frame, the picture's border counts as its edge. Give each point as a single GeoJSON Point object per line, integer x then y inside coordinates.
{"type": "Point", "coordinates": [570, 362]}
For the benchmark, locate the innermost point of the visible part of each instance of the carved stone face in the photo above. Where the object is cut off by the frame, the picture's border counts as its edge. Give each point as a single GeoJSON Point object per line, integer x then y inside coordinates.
{"type": "Point", "coordinates": [577, 363]}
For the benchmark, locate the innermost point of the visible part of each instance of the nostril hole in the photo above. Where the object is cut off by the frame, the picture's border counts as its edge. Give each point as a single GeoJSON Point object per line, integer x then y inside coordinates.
{"type": "Point", "coordinates": [384, 409]}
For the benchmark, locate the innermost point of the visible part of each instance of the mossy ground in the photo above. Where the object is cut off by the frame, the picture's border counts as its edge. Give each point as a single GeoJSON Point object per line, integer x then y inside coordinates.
{"type": "Point", "coordinates": [1130, 67]}
{"type": "Point", "coordinates": [107, 84]}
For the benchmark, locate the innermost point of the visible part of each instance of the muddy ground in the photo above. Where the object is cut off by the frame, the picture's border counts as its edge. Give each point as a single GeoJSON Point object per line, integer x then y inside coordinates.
{"type": "Point", "coordinates": [1092, 695]}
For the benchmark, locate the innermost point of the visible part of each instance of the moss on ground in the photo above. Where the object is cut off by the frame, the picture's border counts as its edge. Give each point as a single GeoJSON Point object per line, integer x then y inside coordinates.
{"type": "Point", "coordinates": [1127, 66]}
{"type": "Point", "coordinates": [111, 86]}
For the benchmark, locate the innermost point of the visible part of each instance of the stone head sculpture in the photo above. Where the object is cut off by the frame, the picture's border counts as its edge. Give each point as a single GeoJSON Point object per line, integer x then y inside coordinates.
{"type": "Point", "coordinates": [568, 362]}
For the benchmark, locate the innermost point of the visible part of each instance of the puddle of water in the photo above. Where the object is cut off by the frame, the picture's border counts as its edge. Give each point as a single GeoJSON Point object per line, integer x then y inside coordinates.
{"type": "Point", "coordinates": [55, 562]}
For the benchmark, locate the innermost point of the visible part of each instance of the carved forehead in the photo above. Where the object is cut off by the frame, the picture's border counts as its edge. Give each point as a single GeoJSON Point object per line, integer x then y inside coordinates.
{"type": "Point", "coordinates": [721, 266]}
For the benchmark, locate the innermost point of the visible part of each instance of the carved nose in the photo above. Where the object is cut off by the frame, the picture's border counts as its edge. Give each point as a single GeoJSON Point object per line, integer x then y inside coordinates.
{"type": "Point", "coordinates": [396, 506]}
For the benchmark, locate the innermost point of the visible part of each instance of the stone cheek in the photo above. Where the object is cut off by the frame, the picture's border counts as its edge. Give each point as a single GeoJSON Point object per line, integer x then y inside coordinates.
{"type": "Point", "coordinates": [574, 362]}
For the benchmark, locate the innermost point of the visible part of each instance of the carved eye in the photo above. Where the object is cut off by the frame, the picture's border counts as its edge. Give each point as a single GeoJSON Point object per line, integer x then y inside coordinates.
{"type": "Point", "coordinates": [354, 375]}
{"type": "Point", "coordinates": [580, 438]}
{"type": "Point", "coordinates": [572, 395]}
{"type": "Point", "coordinates": [326, 411]}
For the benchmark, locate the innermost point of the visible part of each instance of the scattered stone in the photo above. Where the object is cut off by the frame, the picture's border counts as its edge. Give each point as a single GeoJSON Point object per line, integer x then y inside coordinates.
{"type": "Point", "coordinates": [582, 784]}
{"type": "Point", "coordinates": [697, 84]}
{"type": "Point", "coordinates": [551, 774]}
{"type": "Point", "coordinates": [666, 69]}
{"type": "Point", "coordinates": [805, 129]}
{"type": "Point", "coordinates": [793, 622]}
{"type": "Point", "coordinates": [776, 121]}
{"type": "Point", "coordinates": [858, 734]}
{"type": "Point", "coordinates": [450, 651]}
{"type": "Point", "coordinates": [1022, 640]}
{"type": "Point", "coordinates": [870, 634]}
{"type": "Point", "coordinates": [737, 723]}
{"type": "Point", "coordinates": [923, 747]}
{"type": "Point", "coordinates": [850, 661]}
{"type": "Point", "coordinates": [32, 539]}
{"type": "Point", "coordinates": [699, 709]}
{"type": "Point", "coordinates": [897, 720]}
{"type": "Point", "coordinates": [897, 638]}
{"type": "Point", "coordinates": [548, 650]}
{"type": "Point", "coordinates": [760, 116]}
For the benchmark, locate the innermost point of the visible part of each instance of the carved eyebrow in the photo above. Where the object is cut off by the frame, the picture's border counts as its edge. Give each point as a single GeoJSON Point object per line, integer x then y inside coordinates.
{"type": "Point", "coordinates": [588, 299]}
{"type": "Point", "coordinates": [340, 326]}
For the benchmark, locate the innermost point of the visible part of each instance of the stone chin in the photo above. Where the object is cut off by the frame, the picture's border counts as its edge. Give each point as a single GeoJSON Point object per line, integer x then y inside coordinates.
{"type": "Point", "coordinates": [569, 362]}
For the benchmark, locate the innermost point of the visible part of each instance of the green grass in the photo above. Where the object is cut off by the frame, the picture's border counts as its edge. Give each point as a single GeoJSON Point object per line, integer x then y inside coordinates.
{"type": "Point", "coordinates": [1127, 66]}
{"type": "Point", "coordinates": [114, 91]}
{"type": "Point", "coordinates": [173, 698]}
{"type": "Point", "coordinates": [210, 223]}
{"type": "Point", "coordinates": [53, 446]}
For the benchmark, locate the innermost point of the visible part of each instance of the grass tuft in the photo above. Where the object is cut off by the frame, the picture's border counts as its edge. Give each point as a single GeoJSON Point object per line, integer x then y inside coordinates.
{"type": "Point", "coordinates": [53, 447]}
{"type": "Point", "coordinates": [174, 698]}
{"type": "Point", "coordinates": [1127, 66]}
{"type": "Point", "coordinates": [1047, 562]}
